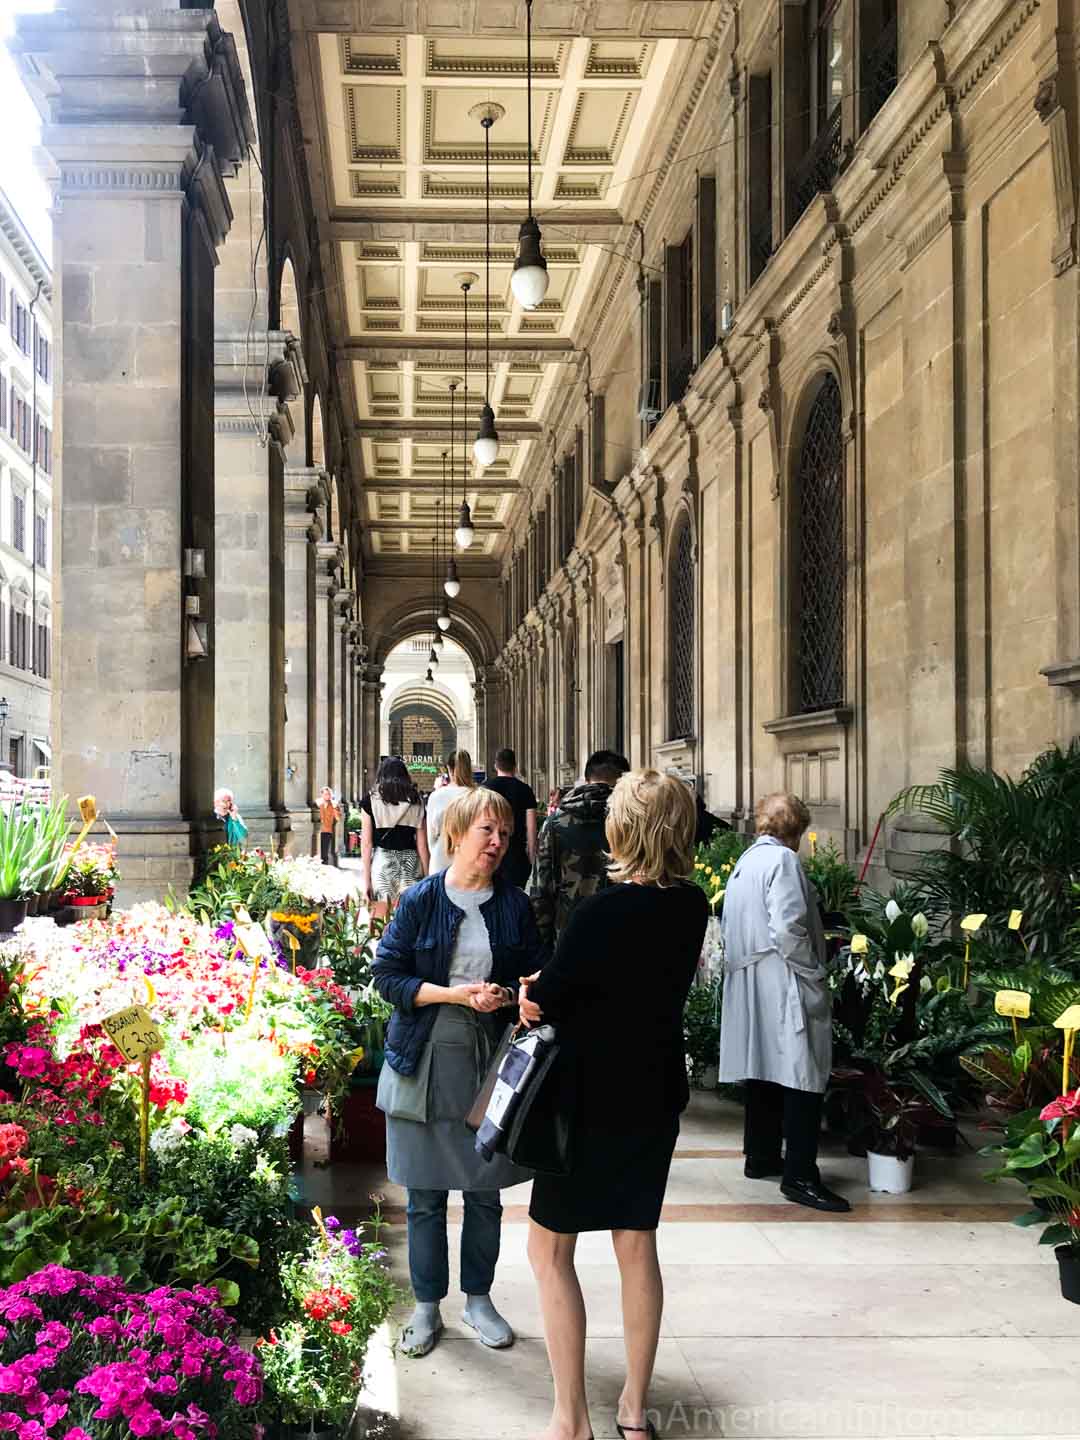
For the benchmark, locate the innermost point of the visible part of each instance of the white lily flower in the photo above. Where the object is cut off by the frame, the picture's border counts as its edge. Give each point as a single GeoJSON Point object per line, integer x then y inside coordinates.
{"type": "Point", "coordinates": [879, 970]}
{"type": "Point", "coordinates": [925, 985]}
{"type": "Point", "coordinates": [892, 911]}
{"type": "Point", "coordinates": [920, 925]}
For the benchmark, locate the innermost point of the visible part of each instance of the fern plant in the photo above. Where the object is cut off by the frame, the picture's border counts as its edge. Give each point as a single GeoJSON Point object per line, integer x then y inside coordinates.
{"type": "Point", "coordinates": [1010, 845]}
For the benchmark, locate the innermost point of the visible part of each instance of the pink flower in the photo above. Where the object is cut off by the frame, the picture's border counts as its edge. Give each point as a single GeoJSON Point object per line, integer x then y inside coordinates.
{"type": "Point", "coordinates": [145, 1420]}
{"type": "Point", "coordinates": [1066, 1106]}
{"type": "Point", "coordinates": [32, 1430]}
{"type": "Point", "coordinates": [9, 1420]}
{"type": "Point", "coordinates": [54, 1334]}
{"type": "Point", "coordinates": [76, 1433]}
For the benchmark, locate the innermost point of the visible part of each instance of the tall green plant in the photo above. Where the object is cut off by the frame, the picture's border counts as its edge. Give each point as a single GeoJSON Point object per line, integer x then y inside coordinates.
{"type": "Point", "coordinates": [1010, 844]}
{"type": "Point", "coordinates": [31, 847]}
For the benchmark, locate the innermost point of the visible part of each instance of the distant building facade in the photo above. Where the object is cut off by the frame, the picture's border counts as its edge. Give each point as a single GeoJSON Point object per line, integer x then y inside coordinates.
{"type": "Point", "coordinates": [26, 498]}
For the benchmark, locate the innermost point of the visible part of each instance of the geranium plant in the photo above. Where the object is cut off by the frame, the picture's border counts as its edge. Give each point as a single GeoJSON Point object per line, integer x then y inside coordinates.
{"type": "Point", "coordinates": [92, 873]}
{"type": "Point", "coordinates": [340, 1292]}
{"type": "Point", "coordinates": [84, 1357]}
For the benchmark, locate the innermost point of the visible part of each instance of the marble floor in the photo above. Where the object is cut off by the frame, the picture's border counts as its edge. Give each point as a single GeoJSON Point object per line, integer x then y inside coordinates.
{"type": "Point", "coordinates": [923, 1315]}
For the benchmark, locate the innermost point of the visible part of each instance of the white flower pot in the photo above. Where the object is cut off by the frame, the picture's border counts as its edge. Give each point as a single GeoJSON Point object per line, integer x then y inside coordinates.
{"type": "Point", "coordinates": [888, 1175]}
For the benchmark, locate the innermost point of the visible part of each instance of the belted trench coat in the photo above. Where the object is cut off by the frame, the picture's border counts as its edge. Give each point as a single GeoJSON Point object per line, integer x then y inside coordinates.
{"type": "Point", "coordinates": [776, 1022]}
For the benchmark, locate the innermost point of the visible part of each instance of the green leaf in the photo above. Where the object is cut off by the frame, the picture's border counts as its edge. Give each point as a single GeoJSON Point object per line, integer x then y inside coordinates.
{"type": "Point", "coordinates": [228, 1290]}
{"type": "Point", "coordinates": [1030, 1217]}
{"type": "Point", "coordinates": [1033, 1151]}
{"type": "Point", "coordinates": [1055, 1235]}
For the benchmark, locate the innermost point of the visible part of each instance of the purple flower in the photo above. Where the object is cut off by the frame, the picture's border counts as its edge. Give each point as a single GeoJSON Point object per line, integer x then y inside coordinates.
{"type": "Point", "coordinates": [22, 1309]}
{"type": "Point", "coordinates": [9, 1420]}
{"type": "Point", "coordinates": [332, 1222]}
{"type": "Point", "coordinates": [32, 1430]}
{"type": "Point", "coordinates": [54, 1334]}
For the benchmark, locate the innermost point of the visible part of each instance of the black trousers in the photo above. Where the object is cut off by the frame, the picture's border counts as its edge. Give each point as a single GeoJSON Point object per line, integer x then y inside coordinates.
{"type": "Point", "coordinates": [327, 848]}
{"type": "Point", "coordinates": [778, 1116]}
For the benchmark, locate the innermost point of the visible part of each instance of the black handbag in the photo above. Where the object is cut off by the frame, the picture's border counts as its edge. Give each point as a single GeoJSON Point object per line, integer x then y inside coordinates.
{"type": "Point", "coordinates": [519, 1109]}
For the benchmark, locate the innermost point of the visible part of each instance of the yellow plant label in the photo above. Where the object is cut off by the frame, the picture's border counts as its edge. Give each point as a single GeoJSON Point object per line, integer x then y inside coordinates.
{"type": "Point", "coordinates": [859, 944]}
{"type": "Point", "coordinates": [1069, 1019]}
{"type": "Point", "coordinates": [972, 923]}
{"type": "Point", "coordinates": [133, 1032]}
{"type": "Point", "coordinates": [1015, 917]}
{"type": "Point", "coordinates": [151, 993]}
{"type": "Point", "coordinates": [1013, 1002]}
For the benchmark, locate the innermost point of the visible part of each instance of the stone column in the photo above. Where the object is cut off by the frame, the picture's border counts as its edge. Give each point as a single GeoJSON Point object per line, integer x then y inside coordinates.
{"type": "Point", "coordinates": [250, 449]}
{"type": "Point", "coordinates": [343, 603]}
{"type": "Point", "coordinates": [372, 686]}
{"type": "Point", "coordinates": [327, 559]}
{"type": "Point", "coordinates": [143, 116]}
{"type": "Point", "coordinates": [301, 530]}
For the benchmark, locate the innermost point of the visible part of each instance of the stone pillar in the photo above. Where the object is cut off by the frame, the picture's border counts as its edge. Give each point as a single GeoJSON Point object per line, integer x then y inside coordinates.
{"type": "Point", "coordinates": [327, 560]}
{"type": "Point", "coordinates": [343, 603]}
{"type": "Point", "coordinates": [372, 705]}
{"type": "Point", "coordinates": [490, 716]}
{"type": "Point", "coordinates": [247, 645]}
{"type": "Point", "coordinates": [143, 116]}
{"type": "Point", "coordinates": [301, 531]}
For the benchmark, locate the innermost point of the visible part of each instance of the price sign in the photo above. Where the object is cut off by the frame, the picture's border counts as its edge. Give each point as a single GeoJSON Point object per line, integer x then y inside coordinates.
{"type": "Point", "coordinates": [1013, 1002]}
{"type": "Point", "coordinates": [252, 940]}
{"type": "Point", "coordinates": [134, 1033]}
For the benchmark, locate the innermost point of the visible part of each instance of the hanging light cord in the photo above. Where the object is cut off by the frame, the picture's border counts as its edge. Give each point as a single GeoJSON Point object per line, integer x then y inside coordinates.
{"type": "Point", "coordinates": [487, 261]}
{"type": "Point", "coordinates": [528, 79]}
{"type": "Point", "coordinates": [465, 404]}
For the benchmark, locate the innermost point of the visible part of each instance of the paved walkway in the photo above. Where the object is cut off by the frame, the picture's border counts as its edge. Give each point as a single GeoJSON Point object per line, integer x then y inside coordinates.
{"type": "Point", "coordinates": [928, 1315]}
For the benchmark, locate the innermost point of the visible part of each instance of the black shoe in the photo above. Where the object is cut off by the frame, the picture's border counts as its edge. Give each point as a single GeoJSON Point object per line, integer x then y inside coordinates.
{"type": "Point", "coordinates": [763, 1169]}
{"type": "Point", "coordinates": [815, 1195]}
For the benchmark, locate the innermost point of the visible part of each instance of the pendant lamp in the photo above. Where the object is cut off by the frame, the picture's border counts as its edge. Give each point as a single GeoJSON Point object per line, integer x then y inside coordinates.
{"type": "Point", "coordinates": [486, 444]}
{"type": "Point", "coordinates": [464, 532]}
{"type": "Point", "coordinates": [529, 281]}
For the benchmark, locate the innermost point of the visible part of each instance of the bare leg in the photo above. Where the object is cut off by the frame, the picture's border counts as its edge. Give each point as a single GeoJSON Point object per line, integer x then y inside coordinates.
{"type": "Point", "coordinates": [552, 1259]}
{"type": "Point", "coordinates": [642, 1307]}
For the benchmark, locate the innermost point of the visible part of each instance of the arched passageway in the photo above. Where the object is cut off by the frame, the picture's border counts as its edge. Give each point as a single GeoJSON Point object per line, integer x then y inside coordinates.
{"type": "Point", "coordinates": [422, 720]}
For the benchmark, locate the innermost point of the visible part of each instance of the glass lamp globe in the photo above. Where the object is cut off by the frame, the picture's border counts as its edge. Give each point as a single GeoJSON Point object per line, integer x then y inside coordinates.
{"type": "Point", "coordinates": [464, 534]}
{"type": "Point", "coordinates": [452, 585]}
{"type": "Point", "coordinates": [529, 282]}
{"type": "Point", "coordinates": [443, 618]}
{"type": "Point", "coordinates": [486, 444]}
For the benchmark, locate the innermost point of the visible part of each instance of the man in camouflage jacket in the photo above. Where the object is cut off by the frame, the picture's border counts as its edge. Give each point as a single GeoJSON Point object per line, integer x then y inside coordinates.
{"type": "Point", "coordinates": [571, 853]}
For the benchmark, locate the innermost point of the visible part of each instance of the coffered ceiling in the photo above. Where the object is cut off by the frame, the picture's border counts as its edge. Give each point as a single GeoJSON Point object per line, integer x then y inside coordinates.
{"type": "Point", "coordinates": [400, 175]}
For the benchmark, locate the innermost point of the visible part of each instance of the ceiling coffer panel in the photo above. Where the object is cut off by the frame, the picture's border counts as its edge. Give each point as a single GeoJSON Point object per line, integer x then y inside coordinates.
{"type": "Point", "coordinates": [618, 60]}
{"type": "Point", "coordinates": [495, 59]}
{"type": "Point", "coordinates": [372, 55]}
{"type": "Point", "coordinates": [453, 136]}
{"type": "Point", "coordinates": [373, 114]}
{"type": "Point", "coordinates": [598, 129]}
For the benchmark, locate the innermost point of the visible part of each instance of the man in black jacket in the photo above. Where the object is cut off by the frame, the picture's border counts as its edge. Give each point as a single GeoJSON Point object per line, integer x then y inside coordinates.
{"type": "Point", "coordinates": [571, 854]}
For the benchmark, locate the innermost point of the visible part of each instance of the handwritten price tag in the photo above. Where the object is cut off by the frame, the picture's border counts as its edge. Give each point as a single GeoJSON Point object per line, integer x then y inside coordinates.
{"type": "Point", "coordinates": [134, 1033]}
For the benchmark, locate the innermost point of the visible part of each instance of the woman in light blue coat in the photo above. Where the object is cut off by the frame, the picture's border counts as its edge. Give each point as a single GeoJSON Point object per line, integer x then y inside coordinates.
{"type": "Point", "coordinates": [776, 1024]}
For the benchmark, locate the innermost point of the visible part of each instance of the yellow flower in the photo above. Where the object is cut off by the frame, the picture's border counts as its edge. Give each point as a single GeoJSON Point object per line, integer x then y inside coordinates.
{"type": "Point", "coordinates": [726, 868]}
{"type": "Point", "coordinates": [708, 869]}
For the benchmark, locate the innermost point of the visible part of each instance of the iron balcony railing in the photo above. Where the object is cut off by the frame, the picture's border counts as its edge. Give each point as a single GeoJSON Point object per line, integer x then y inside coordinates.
{"type": "Point", "coordinates": [880, 72]}
{"type": "Point", "coordinates": [819, 167]}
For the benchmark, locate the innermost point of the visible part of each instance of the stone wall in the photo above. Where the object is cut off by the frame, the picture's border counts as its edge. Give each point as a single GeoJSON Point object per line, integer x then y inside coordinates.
{"type": "Point", "coordinates": [936, 281]}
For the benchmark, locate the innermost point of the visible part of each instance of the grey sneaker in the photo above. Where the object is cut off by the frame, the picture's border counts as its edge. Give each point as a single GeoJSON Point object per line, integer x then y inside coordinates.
{"type": "Point", "coordinates": [421, 1332]}
{"type": "Point", "coordinates": [480, 1315]}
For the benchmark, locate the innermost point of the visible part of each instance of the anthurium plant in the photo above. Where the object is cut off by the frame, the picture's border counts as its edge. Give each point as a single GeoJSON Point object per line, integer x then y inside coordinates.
{"type": "Point", "coordinates": [1041, 1150]}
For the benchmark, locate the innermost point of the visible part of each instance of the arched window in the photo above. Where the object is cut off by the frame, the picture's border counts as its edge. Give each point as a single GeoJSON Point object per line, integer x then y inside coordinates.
{"type": "Point", "coordinates": [819, 591]}
{"type": "Point", "coordinates": [681, 632]}
{"type": "Point", "coordinates": [288, 301]}
{"type": "Point", "coordinates": [318, 452]}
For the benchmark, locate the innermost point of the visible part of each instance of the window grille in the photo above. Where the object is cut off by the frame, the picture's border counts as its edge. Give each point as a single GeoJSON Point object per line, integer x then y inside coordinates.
{"type": "Point", "coordinates": [681, 670]}
{"type": "Point", "coordinates": [819, 620]}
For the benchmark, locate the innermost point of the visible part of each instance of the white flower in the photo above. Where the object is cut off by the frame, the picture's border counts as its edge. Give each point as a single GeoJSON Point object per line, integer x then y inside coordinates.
{"type": "Point", "coordinates": [892, 911]}
{"type": "Point", "coordinates": [920, 925]}
{"type": "Point", "coordinates": [240, 1135]}
{"type": "Point", "coordinates": [164, 1140]}
{"type": "Point", "coordinates": [879, 970]}
{"type": "Point", "coordinates": [926, 985]}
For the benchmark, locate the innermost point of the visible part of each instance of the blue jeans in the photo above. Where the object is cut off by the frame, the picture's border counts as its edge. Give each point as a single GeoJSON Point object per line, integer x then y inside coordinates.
{"type": "Point", "coordinates": [429, 1262]}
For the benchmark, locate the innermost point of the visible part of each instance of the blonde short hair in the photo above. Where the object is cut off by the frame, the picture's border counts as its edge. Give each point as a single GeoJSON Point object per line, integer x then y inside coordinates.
{"type": "Point", "coordinates": [461, 769]}
{"type": "Point", "coordinates": [651, 824]}
{"type": "Point", "coordinates": [783, 816]}
{"type": "Point", "coordinates": [463, 813]}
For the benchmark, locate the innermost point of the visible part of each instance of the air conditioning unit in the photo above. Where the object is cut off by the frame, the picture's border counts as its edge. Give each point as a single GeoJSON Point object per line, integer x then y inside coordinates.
{"type": "Point", "coordinates": [649, 408]}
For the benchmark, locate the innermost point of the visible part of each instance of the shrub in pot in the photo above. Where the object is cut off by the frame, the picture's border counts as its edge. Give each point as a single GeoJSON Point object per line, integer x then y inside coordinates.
{"type": "Point", "coordinates": [339, 1292]}
{"type": "Point", "coordinates": [1041, 1150]}
{"type": "Point", "coordinates": [701, 1031]}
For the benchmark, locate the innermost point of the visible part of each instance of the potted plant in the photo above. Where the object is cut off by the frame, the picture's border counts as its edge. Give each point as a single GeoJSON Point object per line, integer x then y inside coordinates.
{"type": "Point", "coordinates": [353, 824]}
{"type": "Point", "coordinates": [31, 840]}
{"type": "Point", "coordinates": [701, 1032]}
{"type": "Point", "coordinates": [91, 880]}
{"type": "Point", "coordinates": [901, 1028]}
{"type": "Point", "coordinates": [339, 1292]}
{"type": "Point", "coordinates": [1041, 1150]}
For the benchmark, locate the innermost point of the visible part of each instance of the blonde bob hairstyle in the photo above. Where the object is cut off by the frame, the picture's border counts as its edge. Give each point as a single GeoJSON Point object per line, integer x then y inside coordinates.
{"type": "Point", "coordinates": [463, 813]}
{"type": "Point", "coordinates": [783, 816]}
{"type": "Point", "coordinates": [461, 771]}
{"type": "Point", "coordinates": [651, 824]}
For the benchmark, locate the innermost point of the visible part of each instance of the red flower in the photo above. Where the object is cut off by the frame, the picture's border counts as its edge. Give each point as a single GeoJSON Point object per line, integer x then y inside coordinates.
{"type": "Point", "coordinates": [340, 1327]}
{"type": "Point", "coordinates": [1066, 1106]}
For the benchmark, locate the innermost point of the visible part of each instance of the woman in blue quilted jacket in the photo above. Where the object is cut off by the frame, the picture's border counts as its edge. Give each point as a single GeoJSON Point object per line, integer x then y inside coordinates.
{"type": "Point", "coordinates": [449, 961]}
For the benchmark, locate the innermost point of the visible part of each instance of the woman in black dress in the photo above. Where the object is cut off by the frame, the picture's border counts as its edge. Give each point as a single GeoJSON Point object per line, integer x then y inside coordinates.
{"type": "Point", "coordinates": [615, 990]}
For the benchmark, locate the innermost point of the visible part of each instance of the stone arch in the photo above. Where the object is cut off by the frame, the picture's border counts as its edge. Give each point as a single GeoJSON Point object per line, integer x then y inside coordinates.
{"type": "Point", "coordinates": [681, 623]}
{"type": "Point", "coordinates": [469, 630]}
{"type": "Point", "coordinates": [426, 702]}
{"type": "Point", "coordinates": [317, 449]}
{"type": "Point", "coordinates": [288, 306]}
